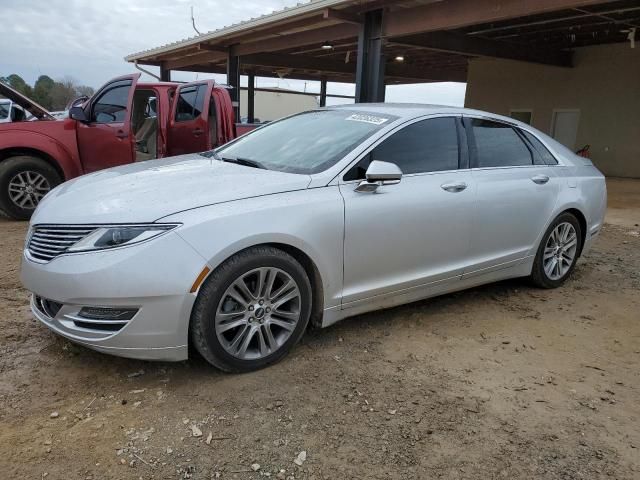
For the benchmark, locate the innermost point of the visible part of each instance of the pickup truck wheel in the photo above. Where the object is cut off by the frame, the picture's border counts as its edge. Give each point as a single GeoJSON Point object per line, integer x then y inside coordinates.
{"type": "Point", "coordinates": [251, 310]}
{"type": "Point", "coordinates": [24, 181]}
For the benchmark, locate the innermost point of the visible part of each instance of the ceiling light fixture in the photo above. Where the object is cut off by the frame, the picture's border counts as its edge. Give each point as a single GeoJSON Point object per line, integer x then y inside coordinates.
{"type": "Point", "coordinates": [400, 58]}
{"type": "Point", "coordinates": [327, 46]}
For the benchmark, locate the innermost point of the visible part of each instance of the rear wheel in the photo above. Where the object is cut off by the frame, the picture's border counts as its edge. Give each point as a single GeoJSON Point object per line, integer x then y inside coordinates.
{"type": "Point", "coordinates": [558, 252]}
{"type": "Point", "coordinates": [251, 310]}
{"type": "Point", "coordinates": [24, 181]}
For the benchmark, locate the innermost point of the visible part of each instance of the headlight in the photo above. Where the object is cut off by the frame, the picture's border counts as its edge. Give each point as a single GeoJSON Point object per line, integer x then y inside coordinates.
{"type": "Point", "coordinates": [119, 236]}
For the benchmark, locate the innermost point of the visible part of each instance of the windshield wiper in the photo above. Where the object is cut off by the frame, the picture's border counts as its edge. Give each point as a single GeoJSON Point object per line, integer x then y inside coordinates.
{"type": "Point", "coordinates": [247, 162]}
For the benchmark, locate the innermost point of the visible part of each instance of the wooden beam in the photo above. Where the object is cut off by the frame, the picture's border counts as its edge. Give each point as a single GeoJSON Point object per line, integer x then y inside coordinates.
{"type": "Point", "coordinates": [332, 14]}
{"type": "Point", "coordinates": [300, 62]}
{"type": "Point", "coordinates": [425, 74]}
{"type": "Point", "coordinates": [476, 46]}
{"type": "Point", "coordinates": [324, 66]}
{"type": "Point", "coordinates": [295, 40]}
{"type": "Point", "coordinates": [462, 13]}
{"type": "Point", "coordinates": [197, 59]}
{"type": "Point", "coordinates": [536, 23]}
{"type": "Point", "coordinates": [269, 73]}
{"type": "Point", "coordinates": [212, 48]}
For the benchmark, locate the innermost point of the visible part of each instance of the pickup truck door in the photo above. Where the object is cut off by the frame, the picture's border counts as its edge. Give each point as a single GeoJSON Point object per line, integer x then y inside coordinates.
{"type": "Point", "coordinates": [106, 140]}
{"type": "Point", "coordinates": [192, 122]}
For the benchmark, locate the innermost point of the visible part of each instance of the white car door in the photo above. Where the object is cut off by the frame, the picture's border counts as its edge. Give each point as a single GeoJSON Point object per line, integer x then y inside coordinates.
{"type": "Point", "coordinates": [516, 194]}
{"type": "Point", "coordinates": [403, 237]}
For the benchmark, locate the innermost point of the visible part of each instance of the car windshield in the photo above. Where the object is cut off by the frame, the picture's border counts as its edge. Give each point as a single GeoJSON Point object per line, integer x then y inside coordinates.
{"type": "Point", "coordinates": [306, 143]}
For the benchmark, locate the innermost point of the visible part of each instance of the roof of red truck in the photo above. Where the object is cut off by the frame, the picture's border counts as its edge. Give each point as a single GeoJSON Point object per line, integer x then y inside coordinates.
{"type": "Point", "coordinates": [173, 84]}
{"type": "Point", "coordinates": [157, 84]}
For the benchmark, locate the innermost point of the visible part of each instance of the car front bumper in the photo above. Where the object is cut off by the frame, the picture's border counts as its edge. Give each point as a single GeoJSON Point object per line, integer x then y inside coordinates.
{"type": "Point", "coordinates": [154, 278]}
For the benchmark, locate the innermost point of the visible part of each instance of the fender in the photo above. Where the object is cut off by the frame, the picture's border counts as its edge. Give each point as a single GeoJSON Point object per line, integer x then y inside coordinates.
{"type": "Point", "coordinates": [329, 287]}
{"type": "Point", "coordinates": [65, 159]}
{"type": "Point", "coordinates": [310, 221]}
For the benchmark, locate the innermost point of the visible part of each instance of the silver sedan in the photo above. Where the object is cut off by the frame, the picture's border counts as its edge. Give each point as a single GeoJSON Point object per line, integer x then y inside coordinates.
{"type": "Point", "coordinates": [308, 220]}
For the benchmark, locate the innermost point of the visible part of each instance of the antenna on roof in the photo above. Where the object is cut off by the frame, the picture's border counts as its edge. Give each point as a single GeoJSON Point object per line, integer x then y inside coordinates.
{"type": "Point", "coordinates": [193, 21]}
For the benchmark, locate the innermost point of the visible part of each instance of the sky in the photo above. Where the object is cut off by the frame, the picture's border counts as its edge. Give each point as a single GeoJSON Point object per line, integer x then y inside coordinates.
{"type": "Point", "coordinates": [88, 40]}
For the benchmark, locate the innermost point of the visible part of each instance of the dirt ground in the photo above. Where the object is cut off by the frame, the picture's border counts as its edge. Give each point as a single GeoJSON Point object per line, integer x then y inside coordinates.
{"type": "Point", "coordinates": [503, 381]}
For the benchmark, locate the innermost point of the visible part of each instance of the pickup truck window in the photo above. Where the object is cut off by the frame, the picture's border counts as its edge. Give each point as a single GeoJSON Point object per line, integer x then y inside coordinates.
{"type": "Point", "coordinates": [190, 103]}
{"type": "Point", "coordinates": [111, 105]}
{"type": "Point", "coordinates": [4, 110]}
{"type": "Point", "coordinates": [306, 143]}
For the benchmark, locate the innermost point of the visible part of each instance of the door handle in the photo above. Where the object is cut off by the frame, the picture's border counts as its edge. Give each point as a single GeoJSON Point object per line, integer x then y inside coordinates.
{"type": "Point", "coordinates": [454, 187]}
{"type": "Point", "coordinates": [540, 179]}
{"type": "Point", "coordinates": [197, 132]}
{"type": "Point", "coordinates": [121, 134]}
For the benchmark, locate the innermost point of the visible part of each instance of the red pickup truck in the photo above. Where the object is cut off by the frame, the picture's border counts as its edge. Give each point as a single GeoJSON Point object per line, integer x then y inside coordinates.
{"type": "Point", "coordinates": [124, 121]}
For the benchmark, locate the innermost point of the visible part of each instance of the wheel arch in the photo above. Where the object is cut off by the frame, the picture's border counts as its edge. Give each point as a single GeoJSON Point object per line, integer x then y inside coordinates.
{"type": "Point", "coordinates": [317, 290]}
{"type": "Point", "coordinates": [304, 258]}
{"type": "Point", "coordinates": [582, 220]}
{"type": "Point", "coordinates": [10, 152]}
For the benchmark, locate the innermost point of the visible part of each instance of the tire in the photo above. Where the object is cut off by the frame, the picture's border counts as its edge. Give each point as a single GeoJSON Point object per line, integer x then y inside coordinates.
{"type": "Point", "coordinates": [549, 248]}
{"type": "Point", "coordinates": [27, 172]}
{"type": "Point", "coordinates": [218, 307]}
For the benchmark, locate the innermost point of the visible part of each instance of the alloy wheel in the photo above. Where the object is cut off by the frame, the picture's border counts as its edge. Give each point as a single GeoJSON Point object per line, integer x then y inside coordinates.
{"type": "Point", "coordinates": [560, 251]}
{"type": "Point", "coordinates": [27, 188]}
{"type": "Point", "coordinates": [258, 313]}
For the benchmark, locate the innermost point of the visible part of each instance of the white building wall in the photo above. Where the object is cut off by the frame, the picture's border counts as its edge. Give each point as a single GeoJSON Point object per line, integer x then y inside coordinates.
{"type": "Point", "coordinates": [272, 106]}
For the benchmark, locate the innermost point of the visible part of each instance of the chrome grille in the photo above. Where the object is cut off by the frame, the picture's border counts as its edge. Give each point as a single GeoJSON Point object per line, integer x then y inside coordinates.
{"type": "Point", "coordinates": [49, 241]}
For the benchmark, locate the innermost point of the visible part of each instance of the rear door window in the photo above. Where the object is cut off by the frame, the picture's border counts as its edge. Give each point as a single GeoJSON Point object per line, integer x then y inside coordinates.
{"type": "Point", "coordinates": [4, 110]}
{"type": "Point", "coordinates": [190, 103]}
{"type": "Point", "coordinates": [498, 145]}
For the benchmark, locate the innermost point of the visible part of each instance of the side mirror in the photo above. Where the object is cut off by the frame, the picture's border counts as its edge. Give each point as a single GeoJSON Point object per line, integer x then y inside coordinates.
{"type": "Point", "coordinates": [378, 174]}
{"type": "Point", "coordinates": [78, 113]}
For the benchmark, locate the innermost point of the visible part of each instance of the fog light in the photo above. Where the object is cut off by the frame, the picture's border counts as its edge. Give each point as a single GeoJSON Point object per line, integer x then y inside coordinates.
{"type": "Point", "coordinates": [104, 313]}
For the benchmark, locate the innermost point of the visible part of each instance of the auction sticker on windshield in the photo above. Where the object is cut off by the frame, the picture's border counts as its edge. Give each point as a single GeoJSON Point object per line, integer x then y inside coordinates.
{"type": "Point", "coordinates": [358, 117]}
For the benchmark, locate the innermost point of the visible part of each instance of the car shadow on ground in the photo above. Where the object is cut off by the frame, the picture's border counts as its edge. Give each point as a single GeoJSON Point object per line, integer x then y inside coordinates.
{"type": "Point", "coordinates": [350, 330]}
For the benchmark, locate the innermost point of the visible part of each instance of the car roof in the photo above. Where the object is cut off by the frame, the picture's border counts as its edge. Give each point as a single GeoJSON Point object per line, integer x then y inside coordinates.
{"type": "Point", "coordinates": [408, 111]}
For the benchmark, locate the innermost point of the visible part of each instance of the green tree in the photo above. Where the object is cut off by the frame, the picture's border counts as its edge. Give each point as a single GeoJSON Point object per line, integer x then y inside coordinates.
{"type": "Point", "coordinates": [17, 82]}
{"type": "Point", "coordinates": [63, 91]}
{"type": "Point", "coordinates": [42, 91]}
{"type": "Point", "coordinates": [51, 94]}
{"type": "Point", "coordinates": [84, 90]}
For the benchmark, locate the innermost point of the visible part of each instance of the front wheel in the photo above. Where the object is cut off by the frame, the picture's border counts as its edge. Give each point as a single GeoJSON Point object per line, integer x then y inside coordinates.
{"type": "Point", "coordinates": [24, 181]}
{"type": "Point", "coordinates": [558, 252]}
{"type": "Point", "coordinates": [251, 310]}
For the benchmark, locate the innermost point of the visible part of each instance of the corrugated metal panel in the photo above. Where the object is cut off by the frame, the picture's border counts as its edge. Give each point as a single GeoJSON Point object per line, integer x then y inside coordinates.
{"type": "Point", "coordinates": [288, 12]}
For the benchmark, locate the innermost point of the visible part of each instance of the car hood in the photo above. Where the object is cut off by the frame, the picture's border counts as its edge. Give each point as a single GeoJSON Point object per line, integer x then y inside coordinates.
{"type": "Point", "coordinates": [148, 191]}
{"type": "Point", "coordinates": [29, 105]}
